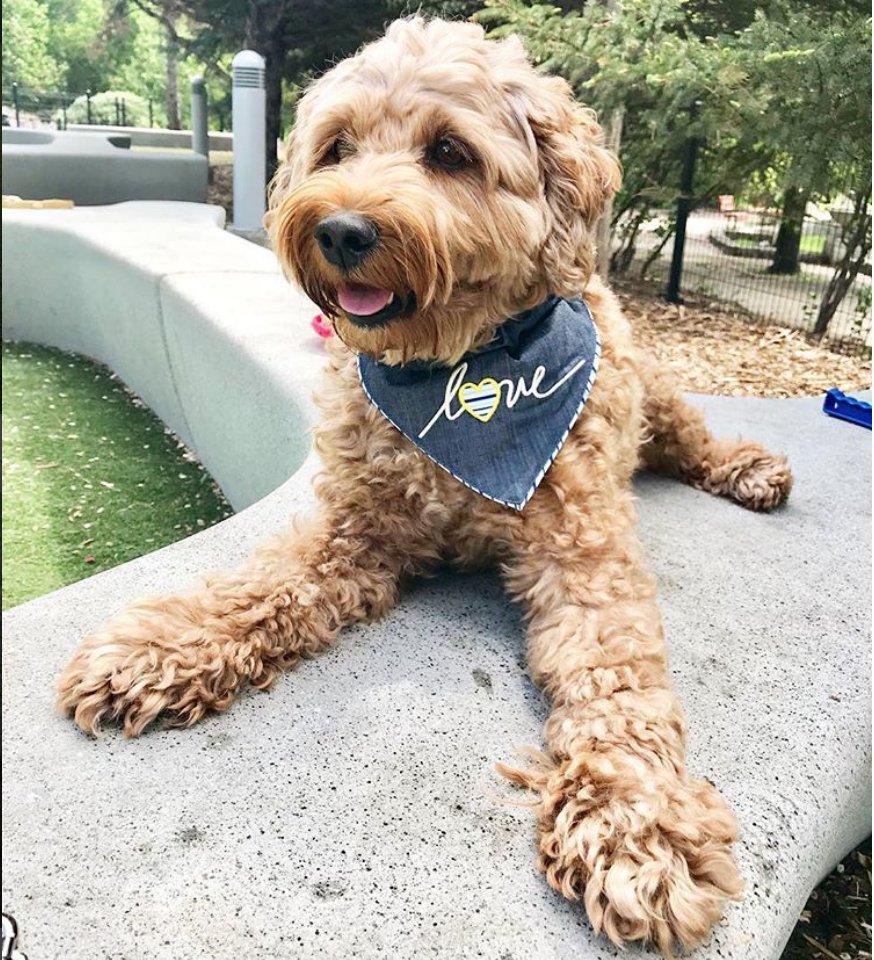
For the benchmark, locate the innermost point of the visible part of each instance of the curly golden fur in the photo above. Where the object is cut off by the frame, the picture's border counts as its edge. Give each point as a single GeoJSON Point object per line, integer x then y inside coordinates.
{"type": "Point", "coordinates": [623, 825]}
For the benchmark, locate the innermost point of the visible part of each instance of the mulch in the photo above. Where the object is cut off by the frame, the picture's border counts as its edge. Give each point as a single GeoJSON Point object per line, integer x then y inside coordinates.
{"type": "Point", "coordinates": [836, 922]}
{"type": "Point", "coordinates": [714, 349]}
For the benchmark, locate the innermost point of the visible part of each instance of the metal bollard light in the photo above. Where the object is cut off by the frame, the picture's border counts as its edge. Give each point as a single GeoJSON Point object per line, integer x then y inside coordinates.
{"type": "Point", "coordinates": [199, 131]}
{"type": "Point", "coordinates": [249, 123]}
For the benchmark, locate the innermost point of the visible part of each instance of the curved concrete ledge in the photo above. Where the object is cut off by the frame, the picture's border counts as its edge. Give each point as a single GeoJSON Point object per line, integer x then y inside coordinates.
{"type": "Point", "coordinates": [153, 137]}
{"type": "Point", "coordinates": [199, 323]}
{"type": "Point", "coordinates": [353, 812]}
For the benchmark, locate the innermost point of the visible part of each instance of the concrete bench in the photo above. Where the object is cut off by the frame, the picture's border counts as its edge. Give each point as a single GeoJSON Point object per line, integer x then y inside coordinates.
{"type": "Point", "coordinates": [25, 135]}
{"type": "Point", "coordinates": [91, 169]}
{"type": "Point", "coordinates": [353, 812]}
{"type": "Point", "coordinates": [153, 137]}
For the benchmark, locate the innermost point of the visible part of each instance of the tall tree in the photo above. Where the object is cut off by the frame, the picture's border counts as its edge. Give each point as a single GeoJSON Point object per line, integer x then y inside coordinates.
{"type": "Point", "coordinates": [297, 38]}
{"type": "Point", "coordinates": [27, 59]}
{"type": "Point", "coordinates": [787, 94]}
{"type": "Point", "coordinates": [813, 115]}
{"type": "Point", "coordinates": [168, 13]}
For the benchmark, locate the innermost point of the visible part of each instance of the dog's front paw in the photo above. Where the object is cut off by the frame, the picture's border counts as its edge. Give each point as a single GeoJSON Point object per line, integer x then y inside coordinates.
{"type": "Point", "coordinates": [158, 657]}
{"type": "Point", "coordinates": [753, 477]}
{"type": "Point", "coordinates": [651, 861]}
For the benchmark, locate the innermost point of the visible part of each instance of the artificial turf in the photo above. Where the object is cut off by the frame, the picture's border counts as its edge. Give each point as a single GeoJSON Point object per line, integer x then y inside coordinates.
{"type": "Point", "coordinates": [91, 477]}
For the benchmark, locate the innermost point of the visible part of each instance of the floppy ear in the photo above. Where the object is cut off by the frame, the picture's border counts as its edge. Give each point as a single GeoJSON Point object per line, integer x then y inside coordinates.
{"type": "Point", "coordinates": [578, 175]}
{"type": "Point", "coordinates": [285, 177]}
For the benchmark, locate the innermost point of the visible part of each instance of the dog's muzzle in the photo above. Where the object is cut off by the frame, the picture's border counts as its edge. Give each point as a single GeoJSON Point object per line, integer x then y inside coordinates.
{"type": "Point", "coordinates": [345, 239]}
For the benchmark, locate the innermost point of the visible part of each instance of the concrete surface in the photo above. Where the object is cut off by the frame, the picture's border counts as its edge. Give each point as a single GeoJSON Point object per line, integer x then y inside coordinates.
{"type": "Point", "coordinates": [199, 323]}
{"type": "Point", "coordinates": [153, 137]}
{"type": "Point", "coordinates": [353, 812]}
{"type": "Point", "coordinates": [89, 169]}
{"type": "Point", "coordinates": [25, 135]}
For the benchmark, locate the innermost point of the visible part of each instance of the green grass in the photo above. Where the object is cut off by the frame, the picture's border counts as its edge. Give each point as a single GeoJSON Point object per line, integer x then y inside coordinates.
{"type": "Point", "coordinates": [813, 243]}
{"type": "Point", "coordinates": [91, 478]}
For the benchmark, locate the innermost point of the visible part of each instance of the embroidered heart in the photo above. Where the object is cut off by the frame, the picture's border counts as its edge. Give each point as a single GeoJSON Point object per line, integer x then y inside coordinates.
{"type": "Point", "coordinates": [480, 400]}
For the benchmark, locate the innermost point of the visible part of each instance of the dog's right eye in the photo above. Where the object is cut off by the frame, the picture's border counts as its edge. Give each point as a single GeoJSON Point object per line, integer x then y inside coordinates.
{"type": "Point", "coordinates": [448, 154]}
{"type": "Point", "coordinates": [340, 149]}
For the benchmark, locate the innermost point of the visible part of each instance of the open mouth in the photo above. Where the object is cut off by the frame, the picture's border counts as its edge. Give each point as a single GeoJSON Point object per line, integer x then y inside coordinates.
{"type": "Point", "coordinates": [373, 306]}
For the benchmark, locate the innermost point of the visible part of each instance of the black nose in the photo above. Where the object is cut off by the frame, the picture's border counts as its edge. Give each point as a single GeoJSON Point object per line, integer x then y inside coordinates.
{"type": "Point", "coordinates": [345, 239]}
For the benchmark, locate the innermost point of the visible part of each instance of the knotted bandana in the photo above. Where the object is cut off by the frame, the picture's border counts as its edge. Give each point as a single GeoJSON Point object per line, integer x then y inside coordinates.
{"type": "Point", "coordinates": [498, 418]}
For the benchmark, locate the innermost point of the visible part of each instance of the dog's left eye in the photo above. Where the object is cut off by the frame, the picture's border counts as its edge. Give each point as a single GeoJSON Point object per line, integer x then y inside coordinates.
{"type": "Point", "coordinates": [448, 154]}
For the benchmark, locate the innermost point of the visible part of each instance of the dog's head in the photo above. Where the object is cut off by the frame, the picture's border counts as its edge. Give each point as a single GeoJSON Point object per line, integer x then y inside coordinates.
{"type": "Point", "coordinates": [434, 185]}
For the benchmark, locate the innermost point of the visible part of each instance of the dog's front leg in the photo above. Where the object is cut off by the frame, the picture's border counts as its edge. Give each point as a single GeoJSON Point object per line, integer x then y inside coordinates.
{"type": "Point", "coordinates": [185, 655]}
{"type": "Point", "coordinates": [622, 825]}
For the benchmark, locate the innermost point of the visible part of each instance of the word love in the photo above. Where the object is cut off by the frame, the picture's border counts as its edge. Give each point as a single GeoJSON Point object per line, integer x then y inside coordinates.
{"type": "Point", "coordinates": [481, 400]}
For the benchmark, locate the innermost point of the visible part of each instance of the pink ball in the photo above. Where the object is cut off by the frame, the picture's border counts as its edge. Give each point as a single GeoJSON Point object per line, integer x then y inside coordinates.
{"type": "Point", "coordinates": [321, 326]}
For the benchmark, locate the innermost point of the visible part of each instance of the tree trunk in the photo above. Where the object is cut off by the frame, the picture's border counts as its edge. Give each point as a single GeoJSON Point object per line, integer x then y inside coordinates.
{"type": "Point", "coordinates": [622, 258]}
{"type": "Point", "coordinates": [856, 237]}
{"type": "Point", "coordinates": [172, 89]}
{"type": "Point", "coordinates": [264, 35]}
{"type": "Point", "coordinates": [612, 139]}
{"type": "Point", "coordinates": [273, 126]}
{"type": "Point", "coordinates": [654, 254]}
{"type": "Point", "coordinates": [788, 245]}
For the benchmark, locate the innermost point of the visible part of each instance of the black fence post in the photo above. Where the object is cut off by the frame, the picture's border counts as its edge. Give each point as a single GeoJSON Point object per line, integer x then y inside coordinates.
{"type": "Point", "coordinates": [117, 113]}
{"type": "Point", "coordinates": [123, 113]}
{"type": "Point", "coordinates": [64, 112]}
{"type": "Point", "coordinates": [88, 106]}
{"type": "Point", "coordinates": [684, 205]}
{"type": "Point", "coordinates": [15, 104]}
{"type": "Point", "coordinates": [151, 120]}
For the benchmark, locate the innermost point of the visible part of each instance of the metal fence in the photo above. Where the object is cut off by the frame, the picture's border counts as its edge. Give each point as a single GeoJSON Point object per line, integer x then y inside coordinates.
{"type": "Point", "coordinates": [728, 256]}
{"type": "Point", "coordinates": [27, 107]}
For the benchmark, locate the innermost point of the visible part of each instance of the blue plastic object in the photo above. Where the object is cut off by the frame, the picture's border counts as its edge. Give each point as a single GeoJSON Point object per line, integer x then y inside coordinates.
{"type": "Point", "coordinates": [838, 404]}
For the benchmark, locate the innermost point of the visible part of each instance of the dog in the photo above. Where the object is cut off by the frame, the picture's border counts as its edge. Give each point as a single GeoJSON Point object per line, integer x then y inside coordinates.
{"type": "Point", "coordinates": [437, 191]}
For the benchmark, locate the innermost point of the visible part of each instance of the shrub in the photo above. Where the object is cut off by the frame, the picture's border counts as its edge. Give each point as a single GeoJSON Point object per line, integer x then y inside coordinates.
{"type": "Point", "coordinates": [136, 108]}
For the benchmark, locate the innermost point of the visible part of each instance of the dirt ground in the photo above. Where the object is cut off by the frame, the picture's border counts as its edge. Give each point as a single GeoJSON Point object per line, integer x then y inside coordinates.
{"type": "Point", "coordinates": [717, 350]}
{"type": "Point", "coordinates": [836, 922]}
{"type": "Point", "coordinates": [221, 187]}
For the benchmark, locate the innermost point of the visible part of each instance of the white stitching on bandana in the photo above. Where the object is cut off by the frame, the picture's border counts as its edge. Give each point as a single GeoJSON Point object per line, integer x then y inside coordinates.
{"type": "Point", "coordinates": [531, 491]}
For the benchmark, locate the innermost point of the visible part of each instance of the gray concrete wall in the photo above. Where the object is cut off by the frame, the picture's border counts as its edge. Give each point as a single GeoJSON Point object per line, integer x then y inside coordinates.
{"type": "Point", "coordinates": [92, 170]}
{"type": "Point", "coordinates": [150, 137]}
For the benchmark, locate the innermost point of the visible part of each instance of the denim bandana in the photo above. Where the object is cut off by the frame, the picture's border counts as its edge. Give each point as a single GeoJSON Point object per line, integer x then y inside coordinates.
{"type": "Point", "coordinates": [497, 419]}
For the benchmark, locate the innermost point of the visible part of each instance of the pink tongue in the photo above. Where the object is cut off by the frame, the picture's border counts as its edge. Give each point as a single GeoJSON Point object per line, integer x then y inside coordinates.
{"type": "Point", "coordinates": [362, 301]}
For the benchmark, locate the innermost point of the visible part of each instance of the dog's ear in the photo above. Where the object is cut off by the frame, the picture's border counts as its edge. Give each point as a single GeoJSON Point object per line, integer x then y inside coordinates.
{"type": "Point", "coordinates": [578, 173]}
{"type": "Point", "coordinates": [283, 180]}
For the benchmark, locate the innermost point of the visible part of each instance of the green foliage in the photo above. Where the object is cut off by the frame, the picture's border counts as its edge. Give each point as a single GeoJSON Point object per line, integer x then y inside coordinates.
{"type": "Point", "coordinates": [136, 109]}
{"type": "Point", "coordinates": [80, 39]}
{"type": "Point", "coordinates": [144, 72]}
{"type": "Point", "coordinates": [774, 101]}
{"type": "Point", "coordinates": [812, 112]}
{"type": "Point", "coordinates": [27, 58]}
{"type": "Point", "coordinates": [668, 83]}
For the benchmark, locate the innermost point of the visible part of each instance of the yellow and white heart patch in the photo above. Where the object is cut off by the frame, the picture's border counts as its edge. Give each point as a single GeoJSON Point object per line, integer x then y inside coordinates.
{"type": "Point", "coordinates": [481, 400]}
